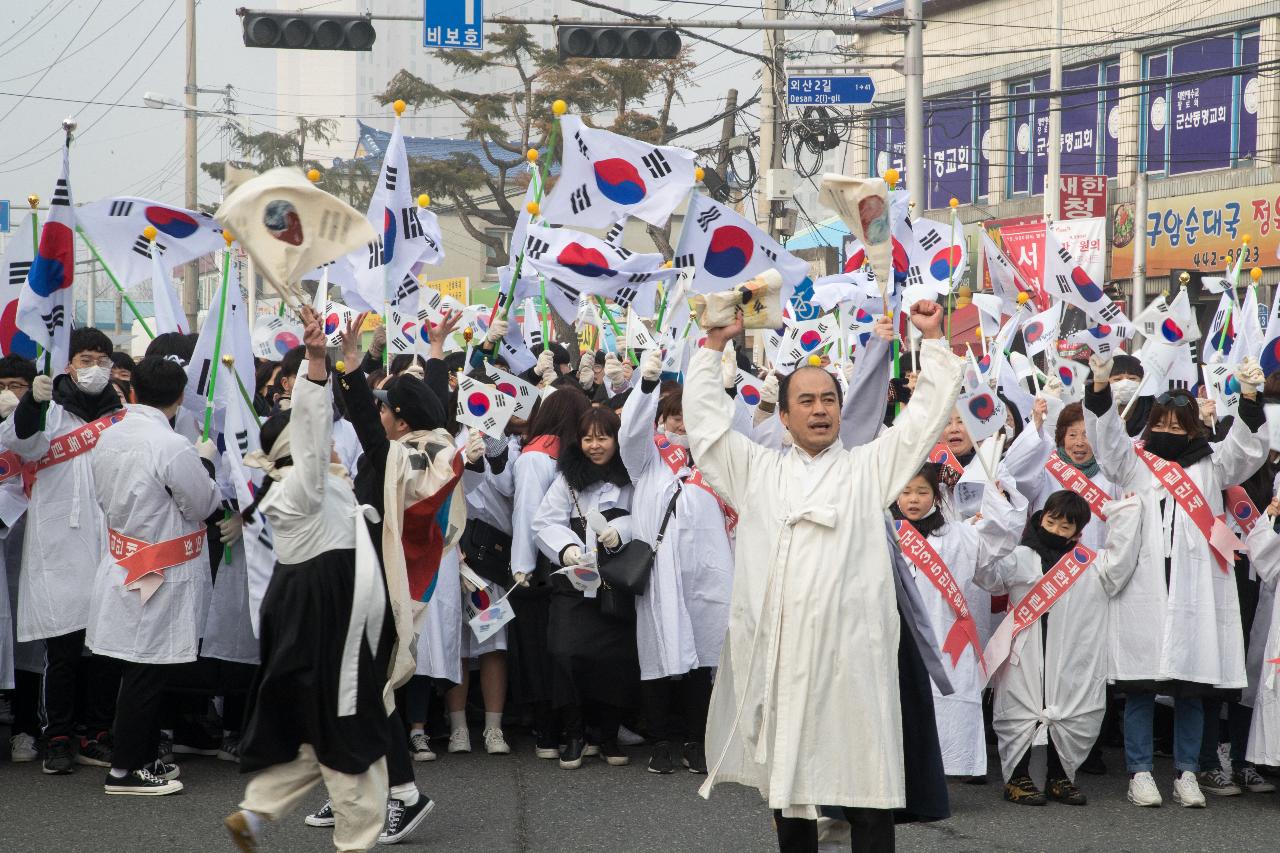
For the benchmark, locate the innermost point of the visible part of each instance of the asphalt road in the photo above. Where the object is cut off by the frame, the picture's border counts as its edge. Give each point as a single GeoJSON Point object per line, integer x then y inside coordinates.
{"type": "Point", "coordinates": [518, 803]}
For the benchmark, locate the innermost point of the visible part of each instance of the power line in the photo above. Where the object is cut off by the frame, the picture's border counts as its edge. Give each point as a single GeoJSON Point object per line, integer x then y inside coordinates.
{"type": "Point", "coordinates": [119, 20]}
{"type": "Point", "coordinates": [65, 48]}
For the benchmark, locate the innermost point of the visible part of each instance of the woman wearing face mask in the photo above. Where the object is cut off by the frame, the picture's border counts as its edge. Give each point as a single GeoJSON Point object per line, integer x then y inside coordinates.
{"type": "Point", "coordinates": [682, 616]}
{"type": "Point", "coordinates": [966, 497]}
{"type": "Point", "coordinates": [963, 547]}
{"type": "Point", "coordinates": [1175, 623]}
{"type": "Point", "coordinates": [593, 653]}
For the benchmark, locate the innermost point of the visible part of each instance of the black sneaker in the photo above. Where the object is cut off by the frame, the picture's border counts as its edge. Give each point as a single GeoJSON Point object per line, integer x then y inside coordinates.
{"type": "Point", "coordinates": [164, 749]}
{"type": "Point", "coordinates": [163, 770]}
{"type": "Point", "coordinates": [547, 745]}
{"type": "Point", "coordinates": [660, 759]}
{"type": "Point", "coordinates": [402, 819]}
{"type": "Point", "coordinates": [322, 817]}
{"type": "Point", "coordinates": [613, 754]}
{"type": "Point", "coordinates": [230, 748]}
{"type": "Point", "coordinates": [1023, 791]}
{"type": "Point", "coordinates": [57, 757]}
{"type": "Point", "coordinates": [1065, 791]}
{"type": "Point", "coordinates": [96, 752]}
{"type": "Point", "coordinates": [695, 758]}
{"type": "Point", "coordinates": [141, 783]}
{"type": "Point", "coordinates": [571, 753]}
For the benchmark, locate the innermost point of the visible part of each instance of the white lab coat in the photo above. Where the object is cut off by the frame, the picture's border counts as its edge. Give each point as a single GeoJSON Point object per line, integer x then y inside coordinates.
{"type": "Point", "coordinates": [682, 616]}
{"type": "Point", "coordinates": [440, 641]}
{"type": "Point", "coordinates": [1264, 731]}
{"type": "Point", "coordinates": [1061, 691]}
{"type": "Point", "coordinates": [68, 536]}
{"type": "Point", "coordinates": [151, 486]}
{"type": "Point", "coordinates": [534, 473]}
{"type": "Point", "coordinates": [806, 706]}
{"type": "Point", "coordinates": [1190, 629]}
{"type": "Point", "coordinates": [964, 547]}
{"type": "Point", "coordinates": [228, 631]}
{"type": "Point", "coordinates": [551, 526]}
{"type": "Point", "coordinates": [1026, 460]}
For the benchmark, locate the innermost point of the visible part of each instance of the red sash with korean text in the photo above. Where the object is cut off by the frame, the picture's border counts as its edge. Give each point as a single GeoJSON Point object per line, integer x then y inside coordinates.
{"type": "Point", "coordinates": [1073, 479]}
{"type": "Point", "coordinates": [142, 559]}
{"type": "Point", "coordinates": [1036, 603]}
{"type": "Point", "coordinates": [1222, 542]}
{"type": "Point", "coordinates": [63, 448]}
{"type": "Point", "coordinates": [677, 458]}
{"type": "Point", "coordinates": [964, 631]}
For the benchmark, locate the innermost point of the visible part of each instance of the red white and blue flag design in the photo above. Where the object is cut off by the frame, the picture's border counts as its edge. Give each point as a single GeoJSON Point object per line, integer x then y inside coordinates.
{"type": "Point", "coordinates": [936, 255]}
{"type": "Point", "coordinates": [1269, 356]}
{"type": "Point", "coordinates": [523, 394]}
{"type": "Point", "coordinates": [576, 264]}
{"type": "Point", "coordinates": [1041, 330]}
{"type": "Point", "coordinates": [165, 303]}
{"type": "Point", "coordinates": [982, 411]}
{"type": "Point", "coordinates": [483, 407]}
{"type": "Point", "coordinates": [1065, 279]}
{"type": "Point", "coordinates": [1217, 344]}
{"type": "Point", "coordinates": [1104, 339]}
{"type": "Point", "coordinates": [723, 249]}
{"type": "Point", "coordinates": [116, 226]}
{"type": "Point", "coordinates": [44, 306]}
{"type": "Point", "coordinates": [604, 177]}
{"type": "Point", "coordinates": [19, 255]}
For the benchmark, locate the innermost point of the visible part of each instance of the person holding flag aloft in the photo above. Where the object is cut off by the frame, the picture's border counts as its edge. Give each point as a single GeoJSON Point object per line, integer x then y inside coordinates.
{"type": "Point", "coordinates": [1050, 678]}
{"type": "Point", "coordinates": [944, 554]}
{"type": "Point", "coordinates": [1175, 622]}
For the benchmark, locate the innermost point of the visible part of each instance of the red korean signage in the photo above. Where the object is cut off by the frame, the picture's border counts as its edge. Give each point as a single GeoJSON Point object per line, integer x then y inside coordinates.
{"type": "Point", "coordinates": [1082, 196]}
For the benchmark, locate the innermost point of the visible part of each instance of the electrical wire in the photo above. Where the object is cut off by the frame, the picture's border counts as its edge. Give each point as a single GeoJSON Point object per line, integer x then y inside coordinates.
{"type": "Point", "coordinates": [63, 53]}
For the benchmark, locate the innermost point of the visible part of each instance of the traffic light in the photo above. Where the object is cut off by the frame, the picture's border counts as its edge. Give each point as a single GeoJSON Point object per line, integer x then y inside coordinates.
{"type": "Point", "coordinates": [302, 31]}
{"type": "Point", "coordinates": [604, 42]}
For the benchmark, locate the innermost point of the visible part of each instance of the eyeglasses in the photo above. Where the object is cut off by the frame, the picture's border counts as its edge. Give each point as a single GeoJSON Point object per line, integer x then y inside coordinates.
{"type": "Point", "coordinates": [1177, 399]}
{"type": "Point", "coordinates": [85, 360]}
{"type": "Point", "coordinates": [17, 386]}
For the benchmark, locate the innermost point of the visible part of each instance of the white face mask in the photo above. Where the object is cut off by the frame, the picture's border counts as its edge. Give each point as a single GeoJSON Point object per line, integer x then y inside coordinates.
{"type": "Point", "coordinates": [678, 439]}
{"type": "Point", "coordinates": [8, 400]}
{"type": "Point", "coordinates": [1122, 391]}
{"type": "Point", "coordinates": [93, 379]}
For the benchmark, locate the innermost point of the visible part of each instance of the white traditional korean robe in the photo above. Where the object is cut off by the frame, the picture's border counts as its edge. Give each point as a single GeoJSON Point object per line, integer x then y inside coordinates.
{"type": "Point", "coordinates": [151, 486]}
{"type": "Point", "coordinates": [806, 705]}
{"type": "Point", "coordinates": [1264, 731]}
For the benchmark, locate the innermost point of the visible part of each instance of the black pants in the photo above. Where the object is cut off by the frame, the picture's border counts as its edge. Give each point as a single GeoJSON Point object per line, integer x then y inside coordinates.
{"type": "Point", "coordinates": [136, 731]}
{"type": "Point", "coordinates": [602, 718]}
{"type": "Point", "coordinates": [399, 762]}
{"type": "Point", "coordinates": [872, 832]}
{"type": "Point", "coordinates": [64, 665]}
{"type": "Point", "coordinates": [689, 693]}
{"type": "Point", "coordinates": [25, 701]}
{"type": "Point", "coordinates": [1055, 769]}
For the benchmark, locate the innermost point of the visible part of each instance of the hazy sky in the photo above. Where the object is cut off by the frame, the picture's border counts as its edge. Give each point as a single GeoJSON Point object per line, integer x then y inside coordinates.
{"type": "Point", "coordinates": [109, 52]}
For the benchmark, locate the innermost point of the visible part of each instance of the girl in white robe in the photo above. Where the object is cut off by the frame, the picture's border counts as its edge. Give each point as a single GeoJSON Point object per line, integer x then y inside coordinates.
{"type": "Point", "coordinates": [1052, 690]}
{"type": "Point", "coordinates": [1264, 556]}
{"type": "Point", "coordinates": [964, 547]}
{"type": "Point", "coordinates": [1175, 624]}
{"type": "Point", "coordinates": [682, 616]}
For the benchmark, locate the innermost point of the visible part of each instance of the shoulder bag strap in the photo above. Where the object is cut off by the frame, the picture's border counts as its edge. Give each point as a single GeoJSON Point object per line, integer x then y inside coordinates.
{"type": "Point", "coordinates": [671, 510]}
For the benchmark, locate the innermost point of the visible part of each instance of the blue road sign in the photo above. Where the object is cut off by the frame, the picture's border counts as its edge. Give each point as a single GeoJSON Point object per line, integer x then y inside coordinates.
{"type": "Point", "coordinates": [830, 91]}
{"type": "Point", "coordinates": [4, 215]}
{"type": "Point", "coordinates": [453, 24]}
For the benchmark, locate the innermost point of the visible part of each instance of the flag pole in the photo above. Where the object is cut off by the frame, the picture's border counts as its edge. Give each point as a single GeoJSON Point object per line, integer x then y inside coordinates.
{"type": "Point", "coordinates": [230, 361]}
{"type": "Point", "coordinates": [951, 266]}
{"type": "Point", "coordinates": [542, 308]}
{"type": "Point", "coordinates": [34, 201]}
{"type": "Point", "coordinates": [217, 337]}
{"type": "Point", "coordinates": [613, 324]}
{"type": "Point", "coordinates": [150, 230]}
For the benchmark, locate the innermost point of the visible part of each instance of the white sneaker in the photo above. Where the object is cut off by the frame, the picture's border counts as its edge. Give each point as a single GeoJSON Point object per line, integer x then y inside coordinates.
{"type": "Point", "coordinates": [1143, 790]}
{"type": "Point", "coordinates": [1186, 790]}
{"type": "Point", "coordinates": [420, 748]}
{"type": "Point", "coordinates": [460, 740]}
{"type": "Point", "coordinates": [495, 743]}
{"type": "Point", "coordinates": [22, 747]}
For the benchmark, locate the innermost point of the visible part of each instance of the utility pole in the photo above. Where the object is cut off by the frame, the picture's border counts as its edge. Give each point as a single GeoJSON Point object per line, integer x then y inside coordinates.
{"type": "Point", "coordinates": [913, 106]}
{"type": "Point", "coordinates": [726, 132]}
{"type": "Point", "coordinates": [1053, 180]}
{"type": "Point", "coordinates": [1139, 299]}
{"type": "Point", "coordinates": [190, 294]}
{"type": "Point", "coordinates": [770, 137]}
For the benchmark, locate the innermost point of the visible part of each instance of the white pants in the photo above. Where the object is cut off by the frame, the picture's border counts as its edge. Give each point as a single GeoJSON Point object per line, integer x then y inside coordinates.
{"type": "Point", "coordinates": [359, 801]}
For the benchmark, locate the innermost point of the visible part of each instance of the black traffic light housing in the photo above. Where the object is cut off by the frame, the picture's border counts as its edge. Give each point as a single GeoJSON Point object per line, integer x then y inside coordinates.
{"type": "Point", "coordinates": [306, 31]}
{"type": "Point", "coordinates": [610, 42]}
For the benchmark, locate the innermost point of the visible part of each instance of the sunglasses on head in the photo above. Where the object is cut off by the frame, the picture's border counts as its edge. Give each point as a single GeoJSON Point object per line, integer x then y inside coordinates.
{"type": "Point", "coordinates": [1177, 399]}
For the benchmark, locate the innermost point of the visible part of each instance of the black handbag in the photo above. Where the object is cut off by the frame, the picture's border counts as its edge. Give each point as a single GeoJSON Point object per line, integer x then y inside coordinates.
{"type": "Point", "coordinates": [488, 551]}
{"type": "Point", "coordinates": [629, 569]}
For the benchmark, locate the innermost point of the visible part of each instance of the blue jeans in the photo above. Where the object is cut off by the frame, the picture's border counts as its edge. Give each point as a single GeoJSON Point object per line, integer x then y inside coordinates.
{"type": "Point", "coordinates": [1188, 728]}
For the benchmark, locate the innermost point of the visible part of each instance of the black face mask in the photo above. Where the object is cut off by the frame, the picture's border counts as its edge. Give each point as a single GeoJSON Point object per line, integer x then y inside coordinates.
{"type": "Point", "coordinates": [1167, 445]}
{"type": "Point", "coordinates": [1052, 542]}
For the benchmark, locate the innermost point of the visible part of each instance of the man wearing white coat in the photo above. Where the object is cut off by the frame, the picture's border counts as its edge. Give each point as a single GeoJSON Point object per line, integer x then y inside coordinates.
{"type": "Point", "coordinates": [152, 589]}
{"type": "Point", "coordinates": [806, 707]}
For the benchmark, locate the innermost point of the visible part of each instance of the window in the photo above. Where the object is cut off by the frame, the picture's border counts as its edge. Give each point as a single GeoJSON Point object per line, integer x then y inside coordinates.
{"type": "Point", "coordinates": [957, 147]}
{"type": "Point", "coordinates": [494, 259]}
{"type": "Point", "coordinates": [1192, 121]}
{"type": "Point", "coordinates": [1090, 127]}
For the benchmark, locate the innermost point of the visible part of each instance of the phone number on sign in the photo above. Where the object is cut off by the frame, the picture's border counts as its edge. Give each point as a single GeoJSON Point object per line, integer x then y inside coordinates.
{"type": "Point", "coordinates": [1213, 259]}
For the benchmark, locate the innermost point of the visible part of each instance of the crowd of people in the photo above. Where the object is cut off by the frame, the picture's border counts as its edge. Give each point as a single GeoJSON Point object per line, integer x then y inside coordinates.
{"type": "Point", "coordinates": [824, 594]}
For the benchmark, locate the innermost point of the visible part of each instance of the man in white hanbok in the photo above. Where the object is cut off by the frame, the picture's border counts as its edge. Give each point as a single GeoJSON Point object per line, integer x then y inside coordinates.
{"type": "Point", "coordinates": [806, 706]}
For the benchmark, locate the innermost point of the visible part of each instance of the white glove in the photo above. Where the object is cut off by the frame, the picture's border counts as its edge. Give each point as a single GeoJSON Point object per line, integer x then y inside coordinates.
{"type": "Point", "coordinates": [497, 331]}
{"type": "Point", "coordinates": [650, 367]}
{"type": "Point", "coordinates": [613, 370]}
{"type": "Point", "coordinates": [1053, 388]}
{"type": "Point", "coordinates": [546, 366]}
{"type": "Point", "coordinates": [475, 446]}
{"type": "Point", "coordinates": [207, 449]}
{"type": "Point", "coordinates": [520, 578]}
{"type": "Point", "coordinates": [1101, 367]}
{"type": "Point", "coordinates": [467, 586]}
{"type": "Point", "coordinates": [769, 389]}
{"type": "Point", "coordinates": [609, 538]}
{"type": "Point", "coordinates": [8, 402]}
{"type": "Point", "coordinates": [42, 388]}
{"type": "Point", "coordinates": [230, 528]}
{"type": "Point", "coordinates": [587, 370]}
{"type": "Point", "coordinates": [847, 370]}
{"type": "Point", "coordinates": [1249, 374]}
{"type": "Point", "coordinates": [572, 556]}
{"type": "Point", "coordinates": [729, 367]}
